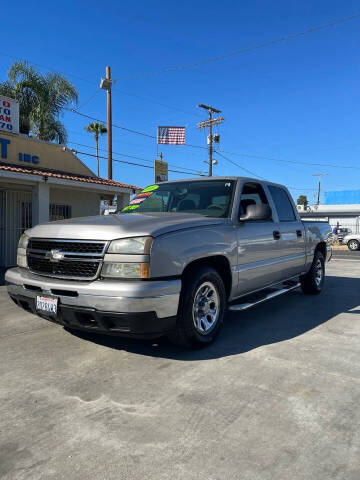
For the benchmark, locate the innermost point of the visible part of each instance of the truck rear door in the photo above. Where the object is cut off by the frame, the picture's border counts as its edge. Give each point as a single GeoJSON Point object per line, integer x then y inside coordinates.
{"type": "Point", "coordinates": [292, 233]}
{"type": "Point", "coordinates": [259, 253]}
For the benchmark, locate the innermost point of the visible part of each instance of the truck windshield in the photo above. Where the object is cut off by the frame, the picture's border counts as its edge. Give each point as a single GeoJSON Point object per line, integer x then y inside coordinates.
{"type": "Point", "coordinates": [211, 198]}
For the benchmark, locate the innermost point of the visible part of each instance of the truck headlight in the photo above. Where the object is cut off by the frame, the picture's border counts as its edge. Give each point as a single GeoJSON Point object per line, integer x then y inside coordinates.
{"type": "Point", "coordinates": [125, 270]}
{"type": "Point", "coordinates": [136, 245]}
{"type": "Point", "coordinates": [21, 251]}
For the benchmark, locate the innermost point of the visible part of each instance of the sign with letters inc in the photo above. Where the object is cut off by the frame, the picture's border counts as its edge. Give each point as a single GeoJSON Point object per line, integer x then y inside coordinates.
{"type": "Point", "coordinates": [9, 115]}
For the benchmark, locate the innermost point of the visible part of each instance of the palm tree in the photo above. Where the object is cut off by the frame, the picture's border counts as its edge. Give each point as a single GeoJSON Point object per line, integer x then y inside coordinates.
{"type": "Point", "coordinates": [97, 129]}
{"type": "Point", "coordinates": [42, 99]}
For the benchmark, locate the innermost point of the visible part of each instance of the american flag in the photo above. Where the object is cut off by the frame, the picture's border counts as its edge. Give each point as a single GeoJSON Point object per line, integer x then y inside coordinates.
{"type": "Point", "coordinates": [171, 135]}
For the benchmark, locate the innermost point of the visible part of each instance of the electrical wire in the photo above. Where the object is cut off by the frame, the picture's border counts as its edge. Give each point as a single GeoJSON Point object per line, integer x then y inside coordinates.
{"type": "Point", "coordinates": [90, 98]}
{"type": "Point", "coordinates": [113, 124]}
{"type": "Point", "coordinates": [198, 63]}
{"type": "Point", "coordinates": [244, 50]}
{"type": "Point", "coordinates": [239, 166]}
{"type": "Point", "coordinates": [171, 107]}
{"type": "Point", "coordinates": [135, 164]}
{"type": "Point", "coordinates": [191, 170]}
{"type": "Point", "coordinates": [256, 175]}
{"type": "Point", "coordinates": [247, 155]}
{"type": "Point", "coordinates": [294, 162]}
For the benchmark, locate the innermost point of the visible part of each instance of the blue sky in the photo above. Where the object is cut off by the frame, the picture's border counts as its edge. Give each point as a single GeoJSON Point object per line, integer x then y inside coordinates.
{"type": "Point", "coordinates": [298, 100]}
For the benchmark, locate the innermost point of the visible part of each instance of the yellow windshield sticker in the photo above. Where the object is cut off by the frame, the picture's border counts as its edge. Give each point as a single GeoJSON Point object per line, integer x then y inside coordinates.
{"type": "Point", "coordinates": [130, 207]}
{"type": "Point", "coordinates": [150, 189]}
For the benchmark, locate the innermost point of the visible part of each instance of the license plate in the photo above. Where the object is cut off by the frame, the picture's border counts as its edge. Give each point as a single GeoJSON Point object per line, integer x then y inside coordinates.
{"type": "Point", "coordinates": [46, 304]}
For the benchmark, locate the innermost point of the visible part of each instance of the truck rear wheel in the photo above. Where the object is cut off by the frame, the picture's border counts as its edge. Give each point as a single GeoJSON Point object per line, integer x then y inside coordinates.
{"type": "Point", "coordinates": [201, 308]}
{"type": "Point", "coordinates": [313, 281]}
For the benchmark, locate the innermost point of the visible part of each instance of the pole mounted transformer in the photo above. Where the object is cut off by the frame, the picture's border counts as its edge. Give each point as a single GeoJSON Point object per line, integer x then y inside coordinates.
{"type": "Point", "coordinates": [209, 124]}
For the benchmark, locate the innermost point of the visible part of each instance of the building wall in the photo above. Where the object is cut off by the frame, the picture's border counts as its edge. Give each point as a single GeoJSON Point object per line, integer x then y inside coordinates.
{"type": "Point", "coordinates": [21, 150]}
{"type": "Point", "coordinates": [82, 204]}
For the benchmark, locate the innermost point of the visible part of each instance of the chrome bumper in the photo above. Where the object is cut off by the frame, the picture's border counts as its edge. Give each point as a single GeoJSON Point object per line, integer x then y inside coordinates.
{"type": "Point", "coordinates": [161, 297]}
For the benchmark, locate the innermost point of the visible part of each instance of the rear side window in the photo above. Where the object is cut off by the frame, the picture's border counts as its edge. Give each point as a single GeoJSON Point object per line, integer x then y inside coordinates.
{"type": "Point", "coordinates": [282, 204]}
{"type": "Point", "coordinates": [252, 194]}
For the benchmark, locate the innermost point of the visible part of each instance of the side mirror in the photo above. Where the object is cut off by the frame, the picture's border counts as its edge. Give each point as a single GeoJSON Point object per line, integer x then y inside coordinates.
{"type": "Point", "coordinates": [256, 212]}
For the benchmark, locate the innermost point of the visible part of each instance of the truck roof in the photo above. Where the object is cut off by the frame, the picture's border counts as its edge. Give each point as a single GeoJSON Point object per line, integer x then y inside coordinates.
{"type": "Point", "coordinates": [230, 177]}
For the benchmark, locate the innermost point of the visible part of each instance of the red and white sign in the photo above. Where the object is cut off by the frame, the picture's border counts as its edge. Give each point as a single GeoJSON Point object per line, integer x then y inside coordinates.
{"type": "Point", "coordinates": [9, 115]}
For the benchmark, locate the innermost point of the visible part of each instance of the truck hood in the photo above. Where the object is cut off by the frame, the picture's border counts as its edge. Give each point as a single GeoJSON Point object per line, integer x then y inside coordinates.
{"type": "Point", "coordinates": [110, 227]}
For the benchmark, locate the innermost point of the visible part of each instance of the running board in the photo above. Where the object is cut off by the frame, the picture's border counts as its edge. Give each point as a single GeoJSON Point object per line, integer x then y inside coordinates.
{"type": "Point", "coordinates": [269, 296]}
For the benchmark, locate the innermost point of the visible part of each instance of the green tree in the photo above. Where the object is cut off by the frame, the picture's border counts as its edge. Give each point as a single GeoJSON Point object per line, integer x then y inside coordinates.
{"type": "Point", "coordinates": [97, 129]}
{"type": "Point", "coordinates": [42, 98]}
{"type": "Point", "coordinates": [302, 200]}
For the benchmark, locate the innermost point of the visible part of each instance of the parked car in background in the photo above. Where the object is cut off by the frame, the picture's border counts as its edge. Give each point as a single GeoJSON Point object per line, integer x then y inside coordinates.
{"type": "Point", "coordinates": [172, 261]}
{"type": "Point", "coordinates": [342, 232]}
{"type": "Point", "coordinates": [352, 241]}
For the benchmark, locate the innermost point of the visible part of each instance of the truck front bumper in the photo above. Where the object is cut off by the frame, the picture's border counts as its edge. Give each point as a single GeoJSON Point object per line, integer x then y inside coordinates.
{"type": "Point", "coordinates": [127, 308]}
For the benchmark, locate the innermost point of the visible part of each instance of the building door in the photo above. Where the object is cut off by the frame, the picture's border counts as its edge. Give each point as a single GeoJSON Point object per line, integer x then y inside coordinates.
{"type": "Point", "coordinates": [15, 218]}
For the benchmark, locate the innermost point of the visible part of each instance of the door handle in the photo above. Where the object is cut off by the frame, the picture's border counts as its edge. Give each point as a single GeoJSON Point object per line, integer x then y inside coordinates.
{"type": "Point", "coordinates": [276, 234]}
{"type": "Point", "coordinates": [299, 233]}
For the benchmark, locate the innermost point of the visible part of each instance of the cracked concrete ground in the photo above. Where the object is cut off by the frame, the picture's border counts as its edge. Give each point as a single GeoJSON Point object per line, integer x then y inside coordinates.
{"type": "Point", "coordinates": [276, 397]}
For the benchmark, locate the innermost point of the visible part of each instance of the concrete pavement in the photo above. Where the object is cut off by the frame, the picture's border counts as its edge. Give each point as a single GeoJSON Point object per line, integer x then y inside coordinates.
{"type": "Point", "coordinates": [276, 397]}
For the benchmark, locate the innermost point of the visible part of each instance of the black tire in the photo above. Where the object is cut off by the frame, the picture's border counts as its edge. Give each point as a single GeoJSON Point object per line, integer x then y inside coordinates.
{"type": "Point", "coordinates": [353, 245]}
{"type": "Point", "coordinates": [195, 285]}
{"type": "Point", "coordinates": [312, 282]}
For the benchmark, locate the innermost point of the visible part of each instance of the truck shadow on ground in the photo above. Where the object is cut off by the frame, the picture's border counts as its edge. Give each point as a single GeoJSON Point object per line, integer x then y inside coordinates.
{"type": "Point", "coordinates": [276, 321]}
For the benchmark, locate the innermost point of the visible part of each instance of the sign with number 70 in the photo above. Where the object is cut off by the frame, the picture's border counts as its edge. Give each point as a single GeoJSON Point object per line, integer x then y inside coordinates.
{"type": "Point", "coordinates": [9, 115]}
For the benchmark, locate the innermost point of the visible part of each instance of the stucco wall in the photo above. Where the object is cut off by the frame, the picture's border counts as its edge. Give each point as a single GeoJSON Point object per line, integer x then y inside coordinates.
{"type": "Point", "coordinates": [82, 203]}
{"type": "Point", "coordinates": [20, 150]}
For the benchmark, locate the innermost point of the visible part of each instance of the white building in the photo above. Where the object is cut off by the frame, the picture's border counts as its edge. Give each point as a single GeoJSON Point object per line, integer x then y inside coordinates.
{"type": "Point", "coordinates": [337, 215]}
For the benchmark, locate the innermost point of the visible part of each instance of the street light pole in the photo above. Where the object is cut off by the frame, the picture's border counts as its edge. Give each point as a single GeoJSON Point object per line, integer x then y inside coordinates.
{"type": "Point", "coordinates": [109, 122]}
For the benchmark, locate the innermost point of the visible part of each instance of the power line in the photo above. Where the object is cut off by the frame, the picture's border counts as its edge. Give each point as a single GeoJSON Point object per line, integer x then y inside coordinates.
{"type": "Point", "coordinates": [113, 124]}
{"type": "Point", "coordinates": [191, 170]}
{"type": "Point", "coordinates": [244, 50]}
{"type": "Point", "coordinates": [294, 162]}
{"type": "Point", "coordinates": [91, 82]}
{"type": "Point", "coordinates": [248, 155]}
{"type": "Point", "coordinates": [256, 175]}
{"type": "Point", "coordinates": [239, 166]}
{"type": "Point", "coordinates": [135, 164]}
{"type": "Point", "coordinates": [156, 102]}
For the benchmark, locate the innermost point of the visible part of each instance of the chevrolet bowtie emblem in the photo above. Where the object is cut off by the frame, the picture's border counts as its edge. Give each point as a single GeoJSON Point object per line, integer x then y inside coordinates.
{"type": "Point", "coordinates": [55, 255]}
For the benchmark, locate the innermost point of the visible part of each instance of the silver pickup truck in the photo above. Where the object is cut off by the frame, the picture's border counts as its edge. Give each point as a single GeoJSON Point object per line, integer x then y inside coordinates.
{"type": "Point", "coordinates": [172, 261]}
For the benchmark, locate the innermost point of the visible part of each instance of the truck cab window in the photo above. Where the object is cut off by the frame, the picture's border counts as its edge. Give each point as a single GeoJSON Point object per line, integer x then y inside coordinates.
{"type": "Point", "coordinates": [282, 204]}
{"type": "Point", "coordinates": [252, 194]}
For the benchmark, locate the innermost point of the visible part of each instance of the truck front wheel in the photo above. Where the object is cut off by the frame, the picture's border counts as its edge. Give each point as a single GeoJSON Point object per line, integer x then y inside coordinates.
{"type": "Point", "coordinates": [201, 308]}
{"type": "Point", "coordinates": [313, 281]}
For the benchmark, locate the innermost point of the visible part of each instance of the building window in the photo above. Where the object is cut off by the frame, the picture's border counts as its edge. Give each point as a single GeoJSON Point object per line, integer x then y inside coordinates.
{"type": "Point", "coordinates": [59, 212]}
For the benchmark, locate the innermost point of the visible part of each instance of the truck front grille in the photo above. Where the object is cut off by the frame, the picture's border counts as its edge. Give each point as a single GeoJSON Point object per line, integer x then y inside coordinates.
{"type": "Point", "coordinates": [66, 246]}
{"type": "Point", "coordinates": [75, 260]}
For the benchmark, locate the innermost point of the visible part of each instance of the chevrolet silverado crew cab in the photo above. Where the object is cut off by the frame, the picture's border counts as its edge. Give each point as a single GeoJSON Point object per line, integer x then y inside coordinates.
{"type": "Point", "coordinates": [172, 261]}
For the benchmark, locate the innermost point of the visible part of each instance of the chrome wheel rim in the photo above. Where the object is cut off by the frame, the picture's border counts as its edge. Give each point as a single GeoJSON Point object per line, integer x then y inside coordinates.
{"type": "Point", "coordinates": [318, 273]}
{"type": "Point", "coordinates": [353, 245]}
{"type": "Point", "coordinates": [206, 308]}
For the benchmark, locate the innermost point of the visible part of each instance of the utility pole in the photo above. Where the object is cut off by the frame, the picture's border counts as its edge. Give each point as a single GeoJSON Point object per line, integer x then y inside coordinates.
{"type": "Point", "coordinates": [209, 124]}
{"type": "Point", "coordinates": [106, 84]}
{"type": "Point", "coordinates": [320, 175]}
